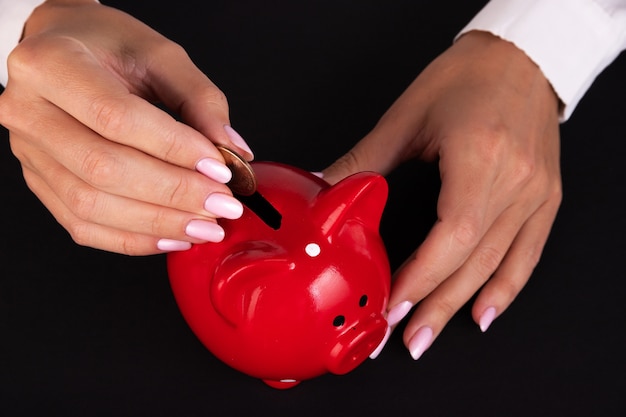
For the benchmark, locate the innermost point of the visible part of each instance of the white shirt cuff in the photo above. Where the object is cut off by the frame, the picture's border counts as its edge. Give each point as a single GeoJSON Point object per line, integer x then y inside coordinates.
{"type": "Point", "coordinates": [572, 41]}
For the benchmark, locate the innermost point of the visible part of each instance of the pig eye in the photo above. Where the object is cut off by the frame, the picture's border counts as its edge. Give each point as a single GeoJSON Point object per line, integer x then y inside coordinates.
{"type": "Point", "coordinates": [363, 301]}
{"type": "Point", "coordinates": [339, 321]}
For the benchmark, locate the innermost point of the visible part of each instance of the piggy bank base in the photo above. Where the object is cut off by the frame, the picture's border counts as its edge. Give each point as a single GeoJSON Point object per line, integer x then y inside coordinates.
{"type": "Point", "coordinates": [285, 384]}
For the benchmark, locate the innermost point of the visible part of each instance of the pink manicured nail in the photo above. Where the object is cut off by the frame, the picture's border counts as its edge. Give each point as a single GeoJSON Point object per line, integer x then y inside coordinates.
{"type": "Point", "coordinates": [487, 318]}
{"type": "Point", "coordinates": [381, 345]}
{"type": "Point", "coordinates": [237, 139]}
{"type": "Point", "coordinates": [214, 169]}
{"type": "Point", "coordinates": [171, 245]}
{"type": "Point", "coordinates": [397, 313]}
{"type": "Point", "coordinates": [202, 229]}
{"type": "Point", "coordinates": [318, 174]}
{"type": "Point", "coordinates": [223, 205]}
{"type": "Point", "coordinates": [420, 342]}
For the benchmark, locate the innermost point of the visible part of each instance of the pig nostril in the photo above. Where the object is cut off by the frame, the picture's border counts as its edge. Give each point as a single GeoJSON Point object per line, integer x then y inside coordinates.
{"type": "Point", "coordinates": [363, 301]}
{"type": "Point", "coordinates": [353, 347]}
{"type": "Point", "coordinates": [339, 321]}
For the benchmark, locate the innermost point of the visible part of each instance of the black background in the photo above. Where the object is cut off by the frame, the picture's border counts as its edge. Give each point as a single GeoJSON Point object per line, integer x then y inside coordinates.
{"type": "Point", "coordinates": [89, 333]}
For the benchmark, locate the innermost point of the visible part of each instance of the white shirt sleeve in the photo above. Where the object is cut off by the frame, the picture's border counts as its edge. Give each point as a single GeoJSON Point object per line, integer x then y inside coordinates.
{"type": "Point", "coordinates": [572, 41]}
{"type": "Point", "coordinates": [13, 15]}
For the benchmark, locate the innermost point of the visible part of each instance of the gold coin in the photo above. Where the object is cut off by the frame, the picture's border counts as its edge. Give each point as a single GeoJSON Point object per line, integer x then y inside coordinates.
{"type": "Point", "coordinates": [243, 181]}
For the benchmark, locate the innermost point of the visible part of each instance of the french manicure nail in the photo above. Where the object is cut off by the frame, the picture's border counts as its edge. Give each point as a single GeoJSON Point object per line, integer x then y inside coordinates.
{"type": "Point", "coordinates": [397, 313]}
{"type": "Point", "coordinates": [223, 205]}
{"type": "Point", "coordinates": [420, 342]}
{"type": "Point", "coordinates": [381, 345]}
{"type": "Point", "coordinates": [487, 318]}
{"type": "Point", "coordinates": [214, 169]}
{"type": "Point", "coordinates": [237, 139]}
{"type": "Point", "coordinates": [171, 245]}
{"type": "Point", "coordinates": [202, 229]}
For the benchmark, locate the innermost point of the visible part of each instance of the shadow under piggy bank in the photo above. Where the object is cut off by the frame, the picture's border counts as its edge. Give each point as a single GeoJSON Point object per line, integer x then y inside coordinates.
{"type": "Point", "coordinates": [299, 285]}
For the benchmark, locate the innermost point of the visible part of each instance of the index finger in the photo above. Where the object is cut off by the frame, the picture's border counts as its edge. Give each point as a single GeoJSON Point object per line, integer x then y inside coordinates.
{"type": "Point", "coordinates": [103, 101]}
{"type": "Point", "coordinates": [188, 91]}
{"type": "Point", "coordinates": [463, 217]}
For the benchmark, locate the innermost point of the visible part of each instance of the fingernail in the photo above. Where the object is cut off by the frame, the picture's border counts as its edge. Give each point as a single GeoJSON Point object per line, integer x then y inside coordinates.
{"type": "Point", "coordinates": [202, 229]}
{"type": "Point", "coordinates": [214, 169]}
{"type": "Point", "coordinates": [237, 139]}
{"type": "Point", "coordinates": [223, 205]}
{"type": "Point", "coordinates": [487, 318]}
{"type": "Point", "coordinates": [171, 245]}
{"type": "Point", "coordinates": [318, 174]}
{"type": "Point", "coordinates": [381, 345]}
{"type": "Point", "coordinates": [397, 313]}
{"type": "Point", "coordinates": [420, 342]}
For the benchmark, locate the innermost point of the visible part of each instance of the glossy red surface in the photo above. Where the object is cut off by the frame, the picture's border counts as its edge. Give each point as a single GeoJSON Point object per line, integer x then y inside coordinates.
{"type": "Point", "coordinates": [298, 286]}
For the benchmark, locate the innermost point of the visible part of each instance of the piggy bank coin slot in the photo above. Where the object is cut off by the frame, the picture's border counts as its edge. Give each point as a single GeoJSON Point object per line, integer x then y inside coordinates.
{"type": "Point", "coordinates": [263, 209]}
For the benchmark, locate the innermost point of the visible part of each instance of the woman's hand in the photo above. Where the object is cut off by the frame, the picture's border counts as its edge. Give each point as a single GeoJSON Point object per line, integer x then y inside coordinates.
{"type": "Point", "coordinates": [116, 171]}
{"type": "Point", "coordinates": [487, 114]}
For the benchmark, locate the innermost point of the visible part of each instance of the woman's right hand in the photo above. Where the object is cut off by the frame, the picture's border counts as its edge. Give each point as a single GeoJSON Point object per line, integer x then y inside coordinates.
{"type": "Point", "coordinates": [117, 172]}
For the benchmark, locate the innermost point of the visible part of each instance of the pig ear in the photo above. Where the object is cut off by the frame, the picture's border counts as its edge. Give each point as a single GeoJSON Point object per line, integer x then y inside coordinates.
{"type": "Point", "coordinates": [361, 197]}
{"type": "Point", "coordinates": [242, 277]}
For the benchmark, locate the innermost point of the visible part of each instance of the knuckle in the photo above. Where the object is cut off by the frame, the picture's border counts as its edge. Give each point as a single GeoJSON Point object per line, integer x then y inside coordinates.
{"type": "Point", "coordinates": [83, 202]}
{"type": "Point", "coordinates": [495, 152]}
{"type": "Point", "coordinates": [492, 144]}
{"type": "Point", "coordinates": [213, 94]}
{"type": "Point", "coordinates": [177, 191]}
{"type": "Point", "coordinates": [128, 245]}
{"type": "Point", "coordinates": [19, 61]}
{"type": "Point", "coordinates": [46, 51]}
{"type": "Point", "coordinates": [79, 233]}
{"type": "Point", "coordinates": [85, 234]}
{"type": "Point", "coordinates": [487, 260]}
{"type": "Point", "coordinates": [549, 190]}
{"type": "Point", "coordinates": [110, 115]}
{"type": "Point", "coordinates": [445, 306]}
{"type": "Point", "coordinates": [419, 286]}
{"type": "Point", "coordinates": [207, 95]}
{"type": "Point", "coordinates": [345, 164]}
{"type": "Point", "coordinates": [523, 169]}
{"type": "Point", "coordinates": [467, 233]}
{"type": "Point", "coordinates": [170, 145]}
{"type": "Point", "coordinates": [159, 221]}
{"type": "Point", "coordinates": [556, 193]}
{"type": "Point", "coordinates": [426, 283]}
{"type": "Point", "coordinates": [102, 168]}
{"type": "Point", "coordinates": [162, 48]}
{"type": "Point", "coordinates": [509, 289]}
{"type": "Point", "coordinates": [16, 114]}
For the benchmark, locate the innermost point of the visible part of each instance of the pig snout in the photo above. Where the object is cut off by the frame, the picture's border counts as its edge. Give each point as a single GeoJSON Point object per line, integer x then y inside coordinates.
{"type": "Point", "coordinates": [355, 344]}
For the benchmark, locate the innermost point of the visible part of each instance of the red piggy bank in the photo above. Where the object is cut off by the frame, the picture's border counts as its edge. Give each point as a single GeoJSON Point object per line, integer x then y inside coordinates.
{"type": "Point", "coordinates": [299, 285]}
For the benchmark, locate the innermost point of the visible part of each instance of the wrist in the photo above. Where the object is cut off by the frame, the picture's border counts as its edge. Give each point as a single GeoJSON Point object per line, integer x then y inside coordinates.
{"type": "Point", "coordinates": [496, 51]}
